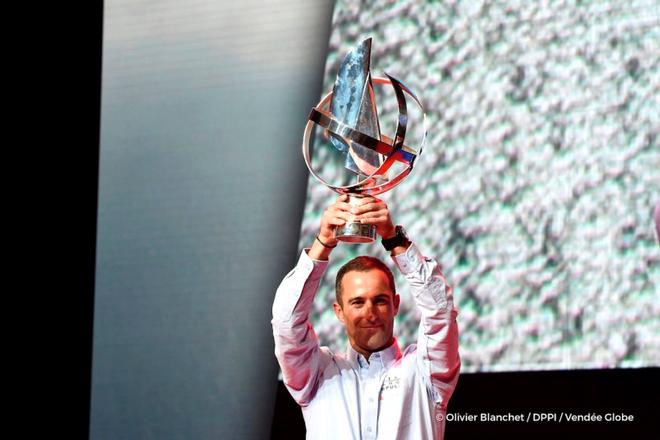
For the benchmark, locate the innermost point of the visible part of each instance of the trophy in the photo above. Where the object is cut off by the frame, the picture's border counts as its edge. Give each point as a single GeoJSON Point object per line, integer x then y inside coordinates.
{"type": "Point", "coordinates": [343, 133]}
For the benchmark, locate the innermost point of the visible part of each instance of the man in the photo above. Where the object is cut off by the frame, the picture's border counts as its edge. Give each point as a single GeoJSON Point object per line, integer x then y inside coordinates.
{"type": "Point", "coordinates": [373, 391]}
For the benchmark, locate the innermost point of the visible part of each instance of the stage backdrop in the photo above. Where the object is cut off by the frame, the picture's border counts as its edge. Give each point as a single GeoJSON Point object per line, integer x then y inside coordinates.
{"type": "Point", "coordinates": [201, 194]}
{"type": "Point", "coordinates": [537, 187]}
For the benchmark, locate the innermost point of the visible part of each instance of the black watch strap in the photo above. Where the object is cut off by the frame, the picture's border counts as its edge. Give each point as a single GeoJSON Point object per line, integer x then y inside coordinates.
{"type": "Point", "coordinates": [400, 239]}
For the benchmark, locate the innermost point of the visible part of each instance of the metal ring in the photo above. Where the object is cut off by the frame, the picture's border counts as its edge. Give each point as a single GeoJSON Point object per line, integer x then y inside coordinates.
{"type": "Point", "coordinates": [397, 150]}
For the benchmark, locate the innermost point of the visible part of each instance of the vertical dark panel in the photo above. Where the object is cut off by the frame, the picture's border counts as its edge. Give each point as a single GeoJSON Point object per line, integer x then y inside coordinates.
{"type": "Point", "coordinates": [60, 65]}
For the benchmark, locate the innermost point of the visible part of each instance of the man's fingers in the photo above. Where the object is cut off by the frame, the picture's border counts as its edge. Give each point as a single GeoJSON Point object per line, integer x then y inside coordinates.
{"type": "Point", "coordinates": [336, 221]}
{"type": "Point", "coordinates": [373, 220]}
{"type": "Point", "coordinates": [343, 214]}
{"type": "Point", "coordinates": [369, 207]}
{"type": "Point", "coordinates": [335, 217]}
{"type": "Point", "coordinates": [373, 213]}
{"type": "Point", "coordinates": [341, 206]}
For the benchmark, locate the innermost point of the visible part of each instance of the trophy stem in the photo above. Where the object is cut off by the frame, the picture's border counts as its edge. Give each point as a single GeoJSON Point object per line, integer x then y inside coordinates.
{"type": "Point", "coordinates": [355, 232]}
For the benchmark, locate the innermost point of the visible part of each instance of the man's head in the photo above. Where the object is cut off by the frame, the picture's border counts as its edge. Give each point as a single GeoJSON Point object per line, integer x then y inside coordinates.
{"type": "Point", "coordinates": [366, 303]}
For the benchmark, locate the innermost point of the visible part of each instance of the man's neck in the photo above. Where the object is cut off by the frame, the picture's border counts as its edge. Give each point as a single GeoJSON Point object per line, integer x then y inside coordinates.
{"type": "Point", "coordinates": [367, 354]}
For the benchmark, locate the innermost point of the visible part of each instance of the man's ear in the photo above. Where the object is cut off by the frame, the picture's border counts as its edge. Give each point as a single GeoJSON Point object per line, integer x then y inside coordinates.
{"type": "Point", "coordinates": [339, 312]}
{"type": "Point", "coordinates": [397, 300]}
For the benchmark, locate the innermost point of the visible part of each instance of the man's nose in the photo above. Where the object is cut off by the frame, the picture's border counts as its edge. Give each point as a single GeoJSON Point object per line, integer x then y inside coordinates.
{"type": "Point", "coordinates": [370, 311]}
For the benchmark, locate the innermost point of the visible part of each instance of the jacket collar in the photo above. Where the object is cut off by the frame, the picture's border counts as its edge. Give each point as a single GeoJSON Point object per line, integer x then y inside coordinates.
{"type": "Point", "coordinates": [383, 358]}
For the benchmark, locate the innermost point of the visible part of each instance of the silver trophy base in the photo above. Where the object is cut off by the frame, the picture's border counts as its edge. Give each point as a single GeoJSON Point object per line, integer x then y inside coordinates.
{"type": "Point", "coordinates": [355, 233]}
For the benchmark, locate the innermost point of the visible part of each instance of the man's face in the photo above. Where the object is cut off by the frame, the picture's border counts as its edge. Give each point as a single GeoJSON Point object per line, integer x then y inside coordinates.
{"type": "Point", "coordinates": [368, 309]}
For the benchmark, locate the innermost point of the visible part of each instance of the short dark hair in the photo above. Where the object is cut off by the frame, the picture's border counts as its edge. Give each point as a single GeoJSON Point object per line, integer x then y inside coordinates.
{"type": "Point", "coordinates": [363, 263]}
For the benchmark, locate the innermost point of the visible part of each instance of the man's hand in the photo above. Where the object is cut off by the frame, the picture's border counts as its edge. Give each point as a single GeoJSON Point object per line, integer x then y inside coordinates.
{"type": "Point", "coordinates": [373, 211]}
{"type": "Point", "coordinates": [367, 210]}
{"type": "Point", "coordinates": [335, 215]}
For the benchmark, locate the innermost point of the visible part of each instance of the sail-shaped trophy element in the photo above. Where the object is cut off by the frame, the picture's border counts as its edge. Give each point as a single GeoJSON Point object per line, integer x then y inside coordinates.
{"type": "Point", "coordinates": [353, 104]}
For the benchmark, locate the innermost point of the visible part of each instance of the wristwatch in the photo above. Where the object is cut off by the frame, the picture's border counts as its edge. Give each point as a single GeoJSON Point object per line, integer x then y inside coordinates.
{"type": "Point", "coordinates": [400, 239]}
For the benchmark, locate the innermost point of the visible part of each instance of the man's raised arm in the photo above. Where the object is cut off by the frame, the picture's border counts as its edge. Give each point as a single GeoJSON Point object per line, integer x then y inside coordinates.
{"type": "Point", "coordinates": [437, 342]}
{"type": "Point", "coordinates": [296, 345]}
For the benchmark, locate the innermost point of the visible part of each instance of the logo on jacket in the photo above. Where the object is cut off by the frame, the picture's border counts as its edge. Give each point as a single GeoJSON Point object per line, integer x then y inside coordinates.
{"type": "Point", "coordinates": [391, 383]}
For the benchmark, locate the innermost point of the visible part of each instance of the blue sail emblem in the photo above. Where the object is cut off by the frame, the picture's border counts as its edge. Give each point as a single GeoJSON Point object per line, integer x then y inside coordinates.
{"type": "Point", "coordinates": [353, 104]}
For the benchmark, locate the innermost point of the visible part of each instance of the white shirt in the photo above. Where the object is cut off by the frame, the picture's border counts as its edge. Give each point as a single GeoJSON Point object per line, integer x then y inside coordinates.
{"type": "Point", "coordinates": [393, 396]}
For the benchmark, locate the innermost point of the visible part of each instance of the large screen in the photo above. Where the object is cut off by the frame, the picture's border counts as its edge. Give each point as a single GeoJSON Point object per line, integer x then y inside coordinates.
{"type": "Point", "coordinates": [537, 185]}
